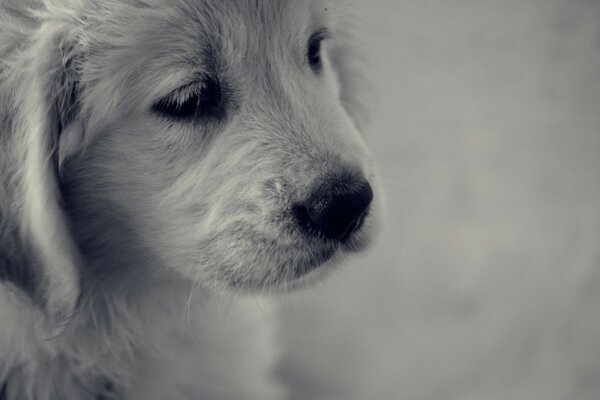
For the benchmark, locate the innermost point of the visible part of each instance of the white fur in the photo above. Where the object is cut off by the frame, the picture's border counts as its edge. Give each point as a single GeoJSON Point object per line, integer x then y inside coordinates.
{"type": "Point", "coordinates": [132, 246]}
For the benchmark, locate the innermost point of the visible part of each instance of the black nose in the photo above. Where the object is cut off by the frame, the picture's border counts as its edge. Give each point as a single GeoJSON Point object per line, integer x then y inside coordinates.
{"type": "Point", "coordinates": [336, 209]}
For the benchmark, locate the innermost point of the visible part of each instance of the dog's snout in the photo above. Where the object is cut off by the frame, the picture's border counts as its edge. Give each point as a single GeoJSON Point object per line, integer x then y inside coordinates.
{"type": "Point", "coordinates": [336, 209]}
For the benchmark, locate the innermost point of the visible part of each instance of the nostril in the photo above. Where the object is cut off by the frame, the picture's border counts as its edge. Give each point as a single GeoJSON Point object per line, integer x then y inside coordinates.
{"type": "Point", "coordinates": [336, 211]}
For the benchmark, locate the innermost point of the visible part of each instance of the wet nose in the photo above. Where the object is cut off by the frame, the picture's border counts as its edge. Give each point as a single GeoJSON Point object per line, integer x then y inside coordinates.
{"type": "Point", "coordinates": [336, 208]}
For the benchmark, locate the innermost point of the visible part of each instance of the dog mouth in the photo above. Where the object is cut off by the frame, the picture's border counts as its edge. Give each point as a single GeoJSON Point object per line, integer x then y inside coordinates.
{"type": "Point", "coordinates": [315, 262]}
{"type": "Point", "coordinates": [285, 267]}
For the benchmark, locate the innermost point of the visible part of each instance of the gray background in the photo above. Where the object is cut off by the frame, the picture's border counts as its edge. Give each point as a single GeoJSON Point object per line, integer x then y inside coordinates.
{"type": "Point", "coordinates": [486, 282]}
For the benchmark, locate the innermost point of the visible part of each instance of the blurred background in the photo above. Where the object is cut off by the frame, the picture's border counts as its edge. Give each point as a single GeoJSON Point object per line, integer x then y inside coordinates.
{"type": "Point", "coordinates": [486, 282]}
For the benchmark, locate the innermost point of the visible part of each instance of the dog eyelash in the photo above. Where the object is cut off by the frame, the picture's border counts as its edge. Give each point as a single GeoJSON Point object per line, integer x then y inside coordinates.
{"type": "Point", "coordinates": [196, 101]}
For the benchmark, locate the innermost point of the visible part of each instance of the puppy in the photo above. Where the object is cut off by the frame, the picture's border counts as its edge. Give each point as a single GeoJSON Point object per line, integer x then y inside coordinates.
{"type": "Point", "coordinates": [153, 155]}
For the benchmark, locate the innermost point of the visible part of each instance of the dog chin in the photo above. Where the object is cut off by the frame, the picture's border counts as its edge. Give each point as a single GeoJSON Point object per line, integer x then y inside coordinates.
{"type": "Point", "coordinates": [303, 273]}
{"type": "Point", "coordinates": [317, 268]}
{"type": "Point", "coordinates": [312, 274]}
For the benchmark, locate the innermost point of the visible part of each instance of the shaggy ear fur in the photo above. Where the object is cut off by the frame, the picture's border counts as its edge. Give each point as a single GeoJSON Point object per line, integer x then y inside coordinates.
{"type": "Point", "coordinates": [45, 102]}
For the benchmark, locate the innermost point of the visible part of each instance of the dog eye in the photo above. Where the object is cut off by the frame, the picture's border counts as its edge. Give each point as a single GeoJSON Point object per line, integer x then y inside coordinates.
{"type": "Point", "coordinates": [197, 101]}
{"type": "Point", "coordinates": [314, 51]}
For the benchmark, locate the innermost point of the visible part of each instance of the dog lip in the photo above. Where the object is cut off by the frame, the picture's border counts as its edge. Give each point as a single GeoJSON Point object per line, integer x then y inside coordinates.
{"type": "Point", "coordinates": [315, 262]}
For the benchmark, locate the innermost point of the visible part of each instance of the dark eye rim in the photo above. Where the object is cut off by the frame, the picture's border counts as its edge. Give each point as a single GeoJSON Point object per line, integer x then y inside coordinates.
{"type": "Point", "coordinates": [313, 53]}
{"type": "Point", "coordinates": [203, 99]}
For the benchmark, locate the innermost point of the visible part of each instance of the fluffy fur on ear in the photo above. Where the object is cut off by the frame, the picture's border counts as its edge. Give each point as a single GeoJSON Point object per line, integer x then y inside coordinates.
{"type": "Point", "coordinates": [42, 91]}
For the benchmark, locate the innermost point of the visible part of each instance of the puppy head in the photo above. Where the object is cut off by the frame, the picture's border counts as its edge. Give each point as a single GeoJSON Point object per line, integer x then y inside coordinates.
{"type": "Point", "coordinates": [217, 140]}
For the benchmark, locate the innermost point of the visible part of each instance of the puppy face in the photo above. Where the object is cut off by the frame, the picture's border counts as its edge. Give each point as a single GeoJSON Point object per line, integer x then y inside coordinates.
{"type": "Point", "coordinates": [213, 141]}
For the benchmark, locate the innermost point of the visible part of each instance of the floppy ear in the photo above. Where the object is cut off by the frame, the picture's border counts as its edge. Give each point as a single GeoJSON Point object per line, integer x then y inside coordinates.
{"type": "Point", "coordinates": [45, 102]}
